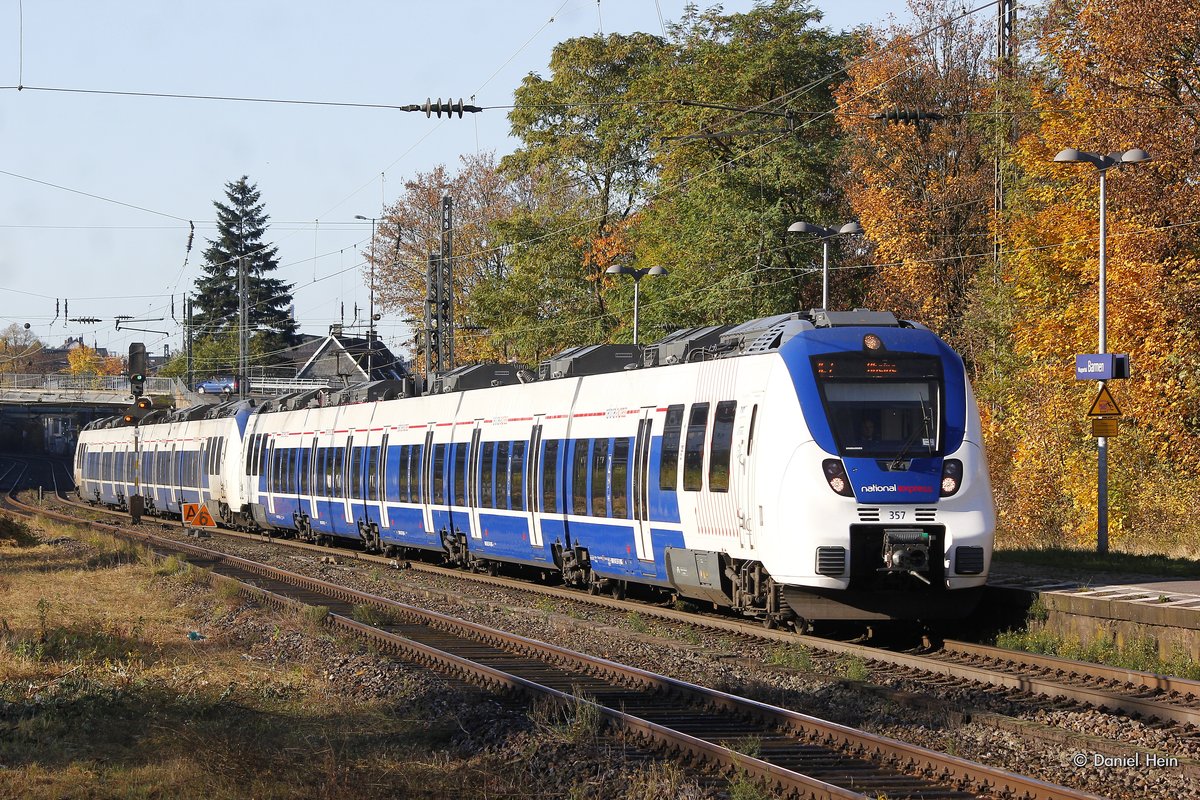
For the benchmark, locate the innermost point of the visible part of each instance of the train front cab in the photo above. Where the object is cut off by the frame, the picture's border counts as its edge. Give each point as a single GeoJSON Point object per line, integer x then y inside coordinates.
{"type": "Point", "coordinates": [898, 523]}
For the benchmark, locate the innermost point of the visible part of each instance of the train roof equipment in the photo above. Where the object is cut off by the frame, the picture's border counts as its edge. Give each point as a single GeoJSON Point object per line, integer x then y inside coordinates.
{"type": "Point", "coordinates": [592, 359]}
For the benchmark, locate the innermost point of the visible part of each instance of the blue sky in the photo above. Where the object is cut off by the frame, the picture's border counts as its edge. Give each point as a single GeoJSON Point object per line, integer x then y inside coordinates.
{"type": "Point", "coordinates": [96, 189]}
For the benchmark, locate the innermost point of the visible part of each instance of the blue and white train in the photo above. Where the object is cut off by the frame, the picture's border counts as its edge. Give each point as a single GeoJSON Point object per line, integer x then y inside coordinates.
{"type": "Point", "coordinates": [809, 466]}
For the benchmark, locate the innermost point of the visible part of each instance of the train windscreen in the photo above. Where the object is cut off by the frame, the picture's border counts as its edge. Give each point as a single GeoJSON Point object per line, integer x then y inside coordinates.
{"type": "Point", "coordinates": [882, 407]}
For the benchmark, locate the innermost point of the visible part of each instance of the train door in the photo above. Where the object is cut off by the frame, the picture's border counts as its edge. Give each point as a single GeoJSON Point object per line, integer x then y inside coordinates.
{"type": "Point", "coordinates": [326, 486]}
{"type": "Point", "coordinates": [312, 486]}
{"type": "Point", "coordinates": [643, 544]}
{"type": "Point", "coordinates": [343, 478]}
{"type": "Point", "coordinates": [533, 483]}
{"type": "Point", "coordinates": [470, 488]}
{"type": "Point", "coordinates": [743, 484]}
{"type": "Point", "coordinates": [377, 476]}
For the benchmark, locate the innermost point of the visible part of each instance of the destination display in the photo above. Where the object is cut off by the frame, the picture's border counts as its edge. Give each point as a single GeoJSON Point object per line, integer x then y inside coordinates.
{"type": "Point", "coordinates": [857, 367]}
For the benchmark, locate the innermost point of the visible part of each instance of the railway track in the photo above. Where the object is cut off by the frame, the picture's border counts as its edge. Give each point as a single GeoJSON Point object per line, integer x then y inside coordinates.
{"type": "Point", "coordinates": [792, 753]}
{"type": "Point", "coordinates": [1152, 697]}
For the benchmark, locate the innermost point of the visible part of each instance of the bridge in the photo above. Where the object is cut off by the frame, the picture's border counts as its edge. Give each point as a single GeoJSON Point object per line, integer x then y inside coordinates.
{"type": "Point", "coordinates": [54, 407]}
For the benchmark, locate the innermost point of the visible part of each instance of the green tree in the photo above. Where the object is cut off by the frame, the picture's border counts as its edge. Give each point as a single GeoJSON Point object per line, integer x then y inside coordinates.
{"type": "Point", "coordinates": [745, 146]}
{"type": "Point", "coordinates": [241, 226]}
{"type": "Point", "coordinates": [586, 159]}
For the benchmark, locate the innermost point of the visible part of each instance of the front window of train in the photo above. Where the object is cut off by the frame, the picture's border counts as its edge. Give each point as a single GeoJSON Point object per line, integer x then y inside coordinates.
{"type": "Point", "coordinates": [887, 406]}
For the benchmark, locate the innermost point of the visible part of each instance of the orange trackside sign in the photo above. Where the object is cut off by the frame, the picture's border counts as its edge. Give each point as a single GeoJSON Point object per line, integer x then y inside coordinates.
{"type": "Point", "coordinates": [197, 516]}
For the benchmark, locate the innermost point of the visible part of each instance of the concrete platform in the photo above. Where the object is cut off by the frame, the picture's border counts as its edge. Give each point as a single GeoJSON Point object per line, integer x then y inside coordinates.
{"type": "Point", "coordinates": [1120, 608]}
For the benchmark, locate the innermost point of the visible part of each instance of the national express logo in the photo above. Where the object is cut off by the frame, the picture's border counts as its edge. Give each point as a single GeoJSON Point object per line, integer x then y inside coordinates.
{"type": "Point", "coordinates": [875, 487]}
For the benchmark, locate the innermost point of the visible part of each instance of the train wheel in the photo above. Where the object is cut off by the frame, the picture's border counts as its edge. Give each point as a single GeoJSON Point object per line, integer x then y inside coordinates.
{"type": "Point", "coordinates": [493, 568]}
{"type": "Point", "coordinates": [618, 590]}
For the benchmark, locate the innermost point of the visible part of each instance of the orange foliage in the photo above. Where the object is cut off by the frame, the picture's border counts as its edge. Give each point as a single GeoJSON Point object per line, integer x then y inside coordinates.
{"type": "Point", "coordinates": [922, 192]}
{"type": "Point", "coordinates": [83, 360]}
{"type": "Point", "coordinates": [609, 246]}
{"type": "Point", "coordinates": [1122, 86]}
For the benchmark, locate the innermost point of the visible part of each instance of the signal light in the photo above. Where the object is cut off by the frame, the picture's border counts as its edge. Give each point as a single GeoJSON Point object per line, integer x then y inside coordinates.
{"type": "Point", "coordinates": [952, 471]}
{"type": "Point", "coordinates": [835, 474]}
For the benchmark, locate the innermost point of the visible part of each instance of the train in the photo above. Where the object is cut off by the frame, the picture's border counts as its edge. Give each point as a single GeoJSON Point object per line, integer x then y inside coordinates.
{"type": "Point", "coordinates": [816, 465]}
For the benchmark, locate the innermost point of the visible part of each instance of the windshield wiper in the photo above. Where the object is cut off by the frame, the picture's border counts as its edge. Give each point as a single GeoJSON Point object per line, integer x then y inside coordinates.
{"type": "Point", "coordinates": [926, 423]}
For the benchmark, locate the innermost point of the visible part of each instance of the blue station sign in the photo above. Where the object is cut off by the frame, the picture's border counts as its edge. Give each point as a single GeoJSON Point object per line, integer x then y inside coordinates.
{"type": "Point", "coordinates": [1101, 366]}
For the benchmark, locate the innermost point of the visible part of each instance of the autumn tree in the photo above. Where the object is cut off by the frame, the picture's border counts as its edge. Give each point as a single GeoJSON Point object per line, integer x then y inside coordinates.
{"type": "Point", "coordinates": [84, 360]}
{"type": "Point", "coordinates": [20, 349]}
{"type": "Point", "coordinates": [1108, 86]}
{"type": "Point", "coordinates": [923, 191]}
{"type": "Point", "coordinates": [409, 230]}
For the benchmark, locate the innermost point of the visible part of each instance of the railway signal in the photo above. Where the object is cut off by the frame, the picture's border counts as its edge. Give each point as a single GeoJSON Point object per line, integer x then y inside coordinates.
{"type": "Point", "coordinates": [137, 368]}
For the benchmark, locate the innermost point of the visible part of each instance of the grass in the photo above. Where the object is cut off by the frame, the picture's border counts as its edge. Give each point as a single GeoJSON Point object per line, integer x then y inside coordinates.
{"type": "Point", "coordinates": [104, 695]}
{"type": "Point", "coordinates": [375, 616]}
{"type": "Point", "coordinates": [854, 668]}
{"type": "Point", "coordinates": [792, 656]}
{"type": "Point", "coordinates": [1089, 561]}
{"type": "Point", "coordinates": [1138, 654]}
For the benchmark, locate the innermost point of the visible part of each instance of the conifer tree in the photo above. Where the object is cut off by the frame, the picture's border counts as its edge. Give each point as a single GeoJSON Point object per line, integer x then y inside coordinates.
{"type": "Point", "coordinates": [241, 225]}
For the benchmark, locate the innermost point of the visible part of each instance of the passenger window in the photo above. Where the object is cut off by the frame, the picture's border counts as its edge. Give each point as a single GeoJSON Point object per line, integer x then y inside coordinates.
{"type": "Point", "coordinates": [550, 478]}
{"type": "Point", "coordinates": [620, 478]}
{"type": "Point", "coordinates": [487, 474]}
{"type": "Point", "coordinates": [722, 440]}
{"type": "Point", "coordinates": [579, 478]}
{"type": "Point", "coordinates": [668, 462]}
{"type": "Point", "coordinates": [693, 453]}
{"type": "Point", "coordinates": [414, 473]}
{"type": "Point", "coordinates": [600, 478]}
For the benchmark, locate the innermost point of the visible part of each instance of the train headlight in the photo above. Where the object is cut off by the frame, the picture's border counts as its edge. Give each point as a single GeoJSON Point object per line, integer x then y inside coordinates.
{"type": "Point", "coordinates": [952, 470]}
{"type": "Point", "coordinates": [835, 474]}
{"type": "Point", "coordinates": [872, 342]}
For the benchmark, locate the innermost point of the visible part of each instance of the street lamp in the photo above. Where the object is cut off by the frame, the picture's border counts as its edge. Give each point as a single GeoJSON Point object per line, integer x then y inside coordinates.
{"type": "Point", "coordinates": [1102, 163]}
{"type": "Point", "coordinates": [371, 310]}
{"type": "Point", "coordinates": [826, 234]}
{"type": "Point", "coordinates": [637, 275]}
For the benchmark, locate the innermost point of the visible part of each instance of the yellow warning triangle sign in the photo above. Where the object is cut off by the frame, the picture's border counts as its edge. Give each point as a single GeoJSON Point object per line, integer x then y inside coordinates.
{"type": "Point", "coordinates": [1105, 405]}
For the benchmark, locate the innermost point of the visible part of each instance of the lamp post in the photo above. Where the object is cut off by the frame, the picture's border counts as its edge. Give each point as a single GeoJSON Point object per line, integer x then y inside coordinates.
{"type": "Point", "coordinates": [825, 234]}
{"type": "Point", "coordinates": [1102, 163]}
{"type": "Point", "coordinates": [371, 302]}
{"type": "Point", "coordinates": [637, 275]}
